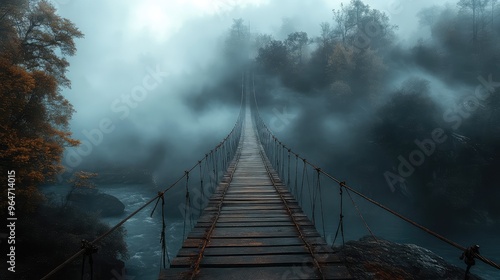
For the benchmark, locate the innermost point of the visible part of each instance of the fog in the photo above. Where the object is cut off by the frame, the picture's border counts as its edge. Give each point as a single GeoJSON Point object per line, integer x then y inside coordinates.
{"type": "Point", "coordinates": [153, 89]}
{"type": "Point", "coordinates": [157, 84]}
{"type": "Point", "coordinates": [182, 41]}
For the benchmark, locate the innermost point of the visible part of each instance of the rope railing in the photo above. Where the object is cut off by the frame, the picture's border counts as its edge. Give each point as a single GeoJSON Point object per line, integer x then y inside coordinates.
{"type": "Point", "coordinates": [286, 162]}
{"type": "Point", "coordinates": [306, 186]}
{"type": "Point", "coordinates": [210, 171]}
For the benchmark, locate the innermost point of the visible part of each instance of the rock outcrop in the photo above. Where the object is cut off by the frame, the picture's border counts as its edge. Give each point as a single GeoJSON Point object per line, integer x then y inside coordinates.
{"type": "Point", "coordinates": [104, 204]}
{"type": "Point", "coordinates": [382, 259]}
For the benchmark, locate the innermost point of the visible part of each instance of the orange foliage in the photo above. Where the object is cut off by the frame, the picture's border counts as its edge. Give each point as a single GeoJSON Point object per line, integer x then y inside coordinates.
{"type": "Point", "coordinates": [34, 115]}
{"type": "Point", "coordinates": [83, 179]}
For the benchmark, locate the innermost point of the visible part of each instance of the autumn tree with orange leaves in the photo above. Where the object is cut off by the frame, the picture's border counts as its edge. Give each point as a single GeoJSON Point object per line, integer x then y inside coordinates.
{"type": "Point", "coordinates": [34, 115]}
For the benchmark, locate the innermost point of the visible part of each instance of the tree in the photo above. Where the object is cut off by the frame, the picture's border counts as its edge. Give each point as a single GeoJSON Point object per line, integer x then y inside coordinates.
{"type": "Point", "coordinates": [296, 43]}
{"type": "Point", "coordinates": [326, 38]}
{"type": "Point", "coordinates": [477, 9]}
{"type": "Point", "coordinates": [403, 121]}
{"type": "Point", "coordinates": [238, 41]}
{"type": "Point", "coordinates": [260, 41]}
{"type": "Point", "coordinates": [318, 64]}
{"type": "Point", "coordinates": [493, 7]}
{"type": "Point", "coordinates": [359, 26]}
{"type": "Point", "coordinates": [341, 63]}
{"type": "Point", "coordinates": [348, 19]}
{"type": "Point", "coordinates": [274, 57]}
{"type": "Point", "coordinates": [83, 180]}
{"type": "Point", "coordinates": [34, 115]}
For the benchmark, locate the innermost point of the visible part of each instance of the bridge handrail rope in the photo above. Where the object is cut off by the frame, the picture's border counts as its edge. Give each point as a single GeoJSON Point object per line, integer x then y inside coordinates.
{"type": "Point", "coordinates": [267, 137]}
{"type": "Point", "coordinates": [231, 139]}
{"type": "Point", "coordinates": [309, 246]}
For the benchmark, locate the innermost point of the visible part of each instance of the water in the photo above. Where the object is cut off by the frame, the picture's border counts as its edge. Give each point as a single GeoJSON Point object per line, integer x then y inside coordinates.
{"type": "Point", "coordinates": [143, 234]}
{"type": "Point", "coordinates": [142, 231]}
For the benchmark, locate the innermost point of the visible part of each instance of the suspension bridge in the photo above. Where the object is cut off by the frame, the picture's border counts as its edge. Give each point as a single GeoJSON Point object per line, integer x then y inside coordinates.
{"type": "Point", "coordinates": [253, 228]}
{"type": "Point", "coordinates": [253, 209]}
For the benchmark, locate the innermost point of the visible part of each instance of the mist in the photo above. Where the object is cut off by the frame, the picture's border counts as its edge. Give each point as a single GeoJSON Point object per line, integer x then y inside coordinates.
{"type": "Point", "coordinates": [155, 86]}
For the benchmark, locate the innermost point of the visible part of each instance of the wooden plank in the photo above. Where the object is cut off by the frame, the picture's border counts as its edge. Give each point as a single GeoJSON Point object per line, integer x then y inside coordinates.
{"type": "Point", "coordinates": [237, 251]}
{"type": "Point", "coordinates": [253, 273]}
{"type": "Point", "coordinates": [239, 183]}
{"type": "Point", "coordinates": [273, 197]}
{"type": "Point", "coordinates": [230, 197]}
{"type": "Point", "coordinates": [245, 242]}
{"type": "Point", "coordinates": [247, 224]}
{"type": "Point", "coordinates": [256, 195]}
{"type": "Point", "coordinates": [226, 219]}
{"type": "Point", "coordinates": [243, 192]}
{"type": "Point", "coordinates": [252, 196]}
{"type": "Point", "coordinates": [247, 207]}
{"type": "Point", "coordinates": [250, 204]}
{"type": "Point", "coordinates": [251, 201]}
{"type": "Point", "coordinates": [255, 224]}
{"type": "Point", "coordinates": [238, 208]}
{"type": "Point", "coordinates": [254, 236]}
{"type": "Point", "coordinates": [243, 199]}
{"type": "Point", "coordinates": [255, 232]}
{"type": "Point", "coordinates": [265, 181]}
{"type": "Point", "coordinates": [253, 260]}
{"type": "Point", "coordinates": [260, 214]}
{"type": "Point", "coordinates": [257, 229]}
{"type": "Point", "coordinates": [254, 212]}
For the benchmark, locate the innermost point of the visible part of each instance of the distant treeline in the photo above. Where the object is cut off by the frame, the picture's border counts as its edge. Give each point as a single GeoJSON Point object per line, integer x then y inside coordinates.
{"type": "Point", "coordinates": [410, 139]}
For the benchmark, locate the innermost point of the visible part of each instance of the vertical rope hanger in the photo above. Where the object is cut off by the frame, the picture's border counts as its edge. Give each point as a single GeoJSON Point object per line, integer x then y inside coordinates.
{"type": "Point", "coordinates": [89, 250]}
{"type": "Point", "coordinates": [313, 197]}
{"type": "Point", "coordinates": [186, 202]}
{"type": "Point", "coordinates": [211, 167]}
{"type": "Point", "coordinates": [224, 157]}
{"type": "Point", "coordinates": [282, 148]}
{"type": "Point", "coordinates": [202, 191]}
{"type": "Point", "coordinates": [311, 191]}
{"type": "Point", "coordinates": [288, 175]}
{"type": "Point", "coordinates": [163, 240]}
{"type": "Point", "coordinates": [296, 172]}
{"type": "Point", "coordinates": [216, 167]}
{"type": "Point", "coordinates": [321, 202]}
{"type": "Point", "coordinates": [304, 173]}
{"type": "Point", "coordinates": [275, 152]}
{"type": "Point", "coordinates": [341, 220]}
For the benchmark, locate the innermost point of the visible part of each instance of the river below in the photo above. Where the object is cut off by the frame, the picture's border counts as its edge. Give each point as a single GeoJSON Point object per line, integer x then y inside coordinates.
{"type": "Point", "coordinates": [143, 234]}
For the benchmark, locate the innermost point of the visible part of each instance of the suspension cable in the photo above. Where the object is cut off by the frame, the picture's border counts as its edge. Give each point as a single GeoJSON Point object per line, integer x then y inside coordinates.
{"type": "Point", "coordinates": [290, 213]}
{"type": "Point", "coordinates": [387, 209]}
{"type": "Point", "coordinates": [361, 215]}
{"type": "Point", "coordinates": [235, 130]}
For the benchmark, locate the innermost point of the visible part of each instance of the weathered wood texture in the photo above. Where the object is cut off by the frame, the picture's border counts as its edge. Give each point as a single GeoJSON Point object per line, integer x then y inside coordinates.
{"type": "Point", "coordinates": [255, 235]}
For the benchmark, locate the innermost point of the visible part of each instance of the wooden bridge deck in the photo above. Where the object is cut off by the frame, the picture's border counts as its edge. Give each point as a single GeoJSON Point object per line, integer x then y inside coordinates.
{"type": "Point", "coordinates": [253, 228]}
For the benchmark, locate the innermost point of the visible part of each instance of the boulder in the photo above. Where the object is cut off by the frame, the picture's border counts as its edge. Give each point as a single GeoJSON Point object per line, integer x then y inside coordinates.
{"type": "Point", "coordinates": [105, 204]}
{"type": "Point", "coordinates": [382, 259]}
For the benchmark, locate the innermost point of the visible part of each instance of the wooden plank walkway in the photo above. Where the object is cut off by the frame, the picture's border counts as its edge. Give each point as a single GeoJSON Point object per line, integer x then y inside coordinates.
{"type": "Point", "coordinates": [254, 229]}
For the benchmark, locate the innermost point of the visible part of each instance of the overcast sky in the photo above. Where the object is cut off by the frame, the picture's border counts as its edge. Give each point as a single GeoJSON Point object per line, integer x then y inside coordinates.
{"type": "Point", "coordinates": [151, 46]}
